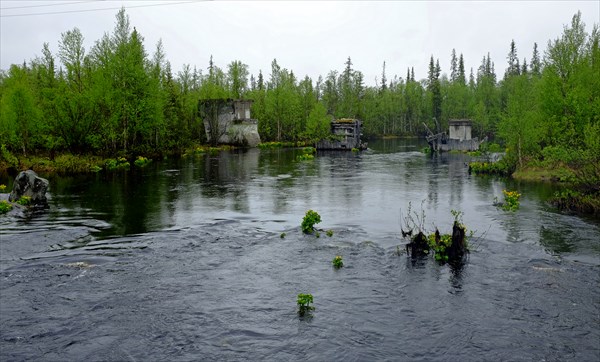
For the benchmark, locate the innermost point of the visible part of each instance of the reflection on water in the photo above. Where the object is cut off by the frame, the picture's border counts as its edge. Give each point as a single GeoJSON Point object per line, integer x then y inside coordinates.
{"type": "Point", "coordinates": [275, 189]}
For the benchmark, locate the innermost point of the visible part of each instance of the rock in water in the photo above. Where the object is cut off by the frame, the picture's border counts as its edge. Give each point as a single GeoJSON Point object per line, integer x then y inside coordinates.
{"type": "Point", "coordinates": [28, 183]}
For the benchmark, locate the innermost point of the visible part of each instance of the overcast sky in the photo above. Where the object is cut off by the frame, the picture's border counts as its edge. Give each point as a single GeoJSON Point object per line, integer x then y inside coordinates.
{"type": "Point", "coordinates": [309, 37]}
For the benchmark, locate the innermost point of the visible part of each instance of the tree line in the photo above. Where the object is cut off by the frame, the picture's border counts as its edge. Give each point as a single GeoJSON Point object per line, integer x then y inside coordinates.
{"type": "Point", "coordinates": [116, 98]}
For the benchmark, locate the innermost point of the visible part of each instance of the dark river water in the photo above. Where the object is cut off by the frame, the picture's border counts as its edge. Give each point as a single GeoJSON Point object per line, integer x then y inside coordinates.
{"type": "Point", "coordinates": [183, 261]}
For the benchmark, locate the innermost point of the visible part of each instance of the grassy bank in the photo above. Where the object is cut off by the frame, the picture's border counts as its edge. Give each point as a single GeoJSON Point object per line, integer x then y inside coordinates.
{"type": "Point", "coordinates": [580, 178]}
{"type": "Point", "coordinates": [579, 194]}
{"type": "Point", "coordinates": [67, 164]}
{"type": "Point", "coordinates": [76, 164]}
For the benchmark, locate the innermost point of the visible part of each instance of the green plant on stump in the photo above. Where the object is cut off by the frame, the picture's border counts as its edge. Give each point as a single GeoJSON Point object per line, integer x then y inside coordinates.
{"type": "Point", "coordinates": [308, 222]}
{"type": "Point", "coordinates": [304, 301]}
{"type": "Point", "coordinates": [337, 262]}
{"type": "Point", "coordinates": [5, 207]}
{"type": "Point", "coordinates": [439, 243]}
{"type": "Point", "coordinates": [446, 247]}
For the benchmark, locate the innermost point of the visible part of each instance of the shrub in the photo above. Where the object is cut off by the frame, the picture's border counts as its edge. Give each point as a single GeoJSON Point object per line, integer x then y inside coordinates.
{"type": "Point", "coordinates": [490, 147]}
{"type": "Point", "coordinates": [329, 233]}
{"type": "Point", "coordinates": [24, 201]}
{"type": "Point", "coordinates": [500, 168]}
{"type": "Point", "coordinates": [266, 145]}
{"type": "Point", "coordinates": [308, 222]}
{"type": "Point", "coordinates": [115, 164]}
{"type": "Point", "coordinates": [337, 262]}
{"type": "Point", "coordinates": [309, 150]}
{"type": "Point", "coordinates": [5, 207]}
{"type": "Point", "coordinates": [305, 157]}
{"type": "Point", "coordinates": [2, 188]}
{"type": "Point", "coordinates": [282, 235]}
{"type": "Point", "coordinates": [141, 161]}
{"type": "Point", "coordinates": [304, 301]}
{"type": "Point", "coordinates": [439, 243]}
{"type": "Point", "coordinates": [511, 200]}
{"type": "Point", "coordinates": [8, 157]}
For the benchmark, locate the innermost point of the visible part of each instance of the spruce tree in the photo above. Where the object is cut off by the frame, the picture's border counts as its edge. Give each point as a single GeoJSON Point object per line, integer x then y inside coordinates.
{"type": "Point", "coordinates": [461, 70]}
{"type": "Point", "coordinates": [383, 79]}
{"type": "Point", "coordinates": [536, 65]}
{"type": "Point", "coordinates": [453, 67]}
{"type": "Point", "coordinates": [513, 61]}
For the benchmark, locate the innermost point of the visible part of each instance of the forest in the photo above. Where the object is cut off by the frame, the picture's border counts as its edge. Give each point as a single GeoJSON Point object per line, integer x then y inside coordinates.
{"type": "Point", "coordinates": [116, 99]}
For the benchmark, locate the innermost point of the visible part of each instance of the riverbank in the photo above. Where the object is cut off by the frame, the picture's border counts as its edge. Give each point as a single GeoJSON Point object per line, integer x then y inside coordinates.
{"type": "Point", "coordinates": [68, 164]}
{"type": "Point", "coordinates": [577, 196]}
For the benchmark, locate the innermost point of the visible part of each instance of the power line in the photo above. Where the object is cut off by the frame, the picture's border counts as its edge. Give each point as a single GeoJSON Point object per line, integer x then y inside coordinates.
{"type": "Point", "coordinates": [46, 5]}
{"type": "Point", "coordinates": [101, 9]}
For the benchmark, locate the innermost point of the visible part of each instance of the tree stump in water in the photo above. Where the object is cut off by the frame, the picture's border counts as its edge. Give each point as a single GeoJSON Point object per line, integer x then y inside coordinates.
{"type": "Point", "coordinates": [458, 247]}
{"type": "Point", "coordinates": [418, 246]}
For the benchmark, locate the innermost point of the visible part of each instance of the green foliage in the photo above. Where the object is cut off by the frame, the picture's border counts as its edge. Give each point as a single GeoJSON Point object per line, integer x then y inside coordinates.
{"type": "Point", "coordinates": [308, 153]}
{"type": "Point", "coordinates": [305, 157]}
{"type": "Point", "coordinates": [519, 121]}
{"type": "Point", "coordinates": [308, 222]}
{"type": "Point", "coordinates": [304, 301]}
{"type": "Point", "coordinates": [439, 243]}
{"type": "Point", "coordinates": [577, 201]}
{"type": "Point", "coordinates": [511, 200]}
{"type": "Point", "coordinates": [2, 188]}
{"type": "Point", "coordinates": [117, 164]}
{"type": "Point", "coordinates": [282, 235]}
{"type": "Point", "coordinates": [487, 147]}
{"type": "Point", "coordinates": [141, 161]}
{"type": "Point", "coordinates": [267, 145]}
{"type": "Point", "coordinates": [5, 206]}
{"type": "Point", "coordinates": [337, 262]}
{"type": "Point", "coordinates": [355, 150]}
{"type": "Point", "coordinates": [499, 168]}
{"type": "Point", "coordinates": [318, 123]}
{"type": "Point", "coordinates": [24, 201]}
{"type": "Point", "coordinates": [7, 157]}
{"type": "Point", "coordinates": [329, 233]}
{"type": "Point", "coordinates": [68, 163]}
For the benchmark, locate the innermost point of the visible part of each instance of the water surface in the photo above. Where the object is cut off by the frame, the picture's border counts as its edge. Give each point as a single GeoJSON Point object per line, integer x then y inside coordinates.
{"type": "Point", "coordinates": [183, 260]}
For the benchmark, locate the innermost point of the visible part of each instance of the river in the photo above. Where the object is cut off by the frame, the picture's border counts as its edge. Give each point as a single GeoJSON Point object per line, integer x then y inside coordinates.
{"type": "Point", "coordinates": [184, 260]}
